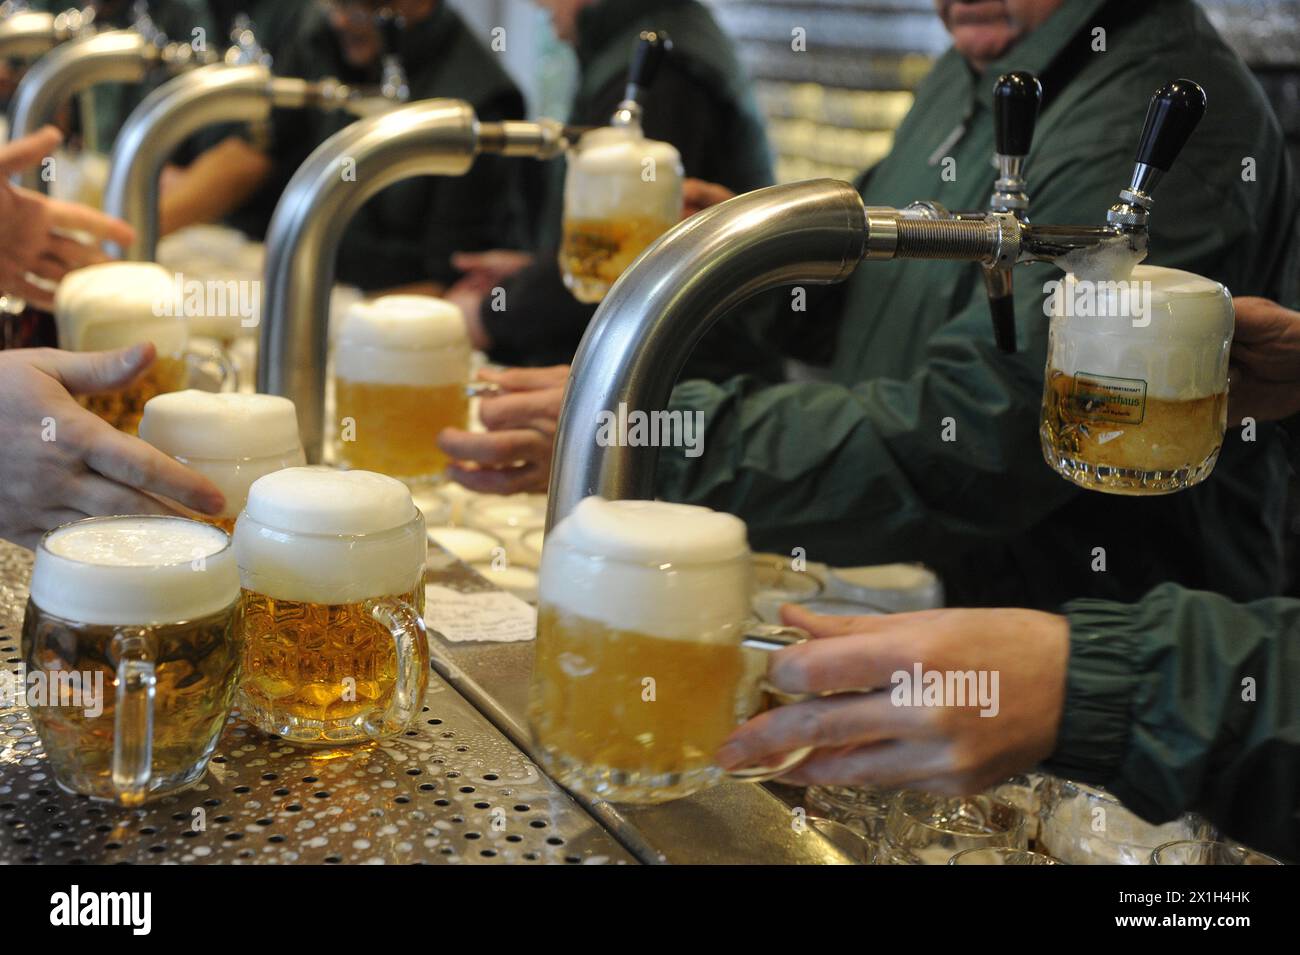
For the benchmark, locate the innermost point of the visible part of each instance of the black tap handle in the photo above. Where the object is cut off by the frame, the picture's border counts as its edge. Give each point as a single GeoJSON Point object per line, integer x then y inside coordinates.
{"type": "Point", "coordinates": [1174, 112]}
{"type": "Point", "coordinates": [390, 31]}
{"type": "Point", "coordinates": [1016, 99]}
{"type": "Point", "coordinates": [651, 48]}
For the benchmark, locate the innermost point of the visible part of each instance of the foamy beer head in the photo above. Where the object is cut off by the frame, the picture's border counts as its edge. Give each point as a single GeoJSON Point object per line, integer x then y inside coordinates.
{"type": "Point", "coordinates": [316, 535]}
{"type": "Point", "coordinates": [675, 571]}
{"type": "Point", "coordinates": [134, 571]}
{"type": "Point", "coordinates": [1137, 380]}
{"type": "Point", "coordinates": [403, 340]}
{"type": "Point", "coordinates": [232, 439]}
{"type": "Point", "coordinates": [115, 304]}
{"type": "Point", "coordinates": [621, 192]}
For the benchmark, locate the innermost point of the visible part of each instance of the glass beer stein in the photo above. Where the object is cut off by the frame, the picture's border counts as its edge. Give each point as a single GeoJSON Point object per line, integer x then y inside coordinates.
{"type": "Point", "coordinates": [1136, 393]}
{"type": "Point", "coordinates": [401, 373]}
{"type": "Point", "coordinates": [621, 192]}
{"type": "Point", "coordinates": [115, 304]}
{"type": "Point", "coordinates": [129, 634]}
{"type": "Point", "coordinates": [332, 608]}
{"type": "Point", "coordinates": [231, 439]}
{"type": "Point", "coordinates": [648, 655]}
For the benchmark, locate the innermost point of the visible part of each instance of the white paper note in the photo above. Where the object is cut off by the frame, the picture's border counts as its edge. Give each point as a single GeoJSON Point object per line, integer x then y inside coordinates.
{"type": "Point", "coordinates": [489, 616]}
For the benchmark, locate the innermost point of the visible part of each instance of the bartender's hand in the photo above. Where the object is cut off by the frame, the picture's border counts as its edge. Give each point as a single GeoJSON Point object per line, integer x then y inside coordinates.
{"type": "Point", "coordinates": [1265, 362]}
{"type": "Point", "coordinates": [699, 194]}
{"type": "Point", "coordinates": [864, 738]}
{"type": "Point", "coordinates": [514, 454]}
{"type": "Point", "coordinates": [61, 463]}
{"type": "Point", "coordinates": [30, 236]}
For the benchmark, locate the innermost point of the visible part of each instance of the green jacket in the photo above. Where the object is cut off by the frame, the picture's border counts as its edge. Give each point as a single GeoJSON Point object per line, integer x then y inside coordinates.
{"type": "Point", "coordinates": [855, 469]}
{"type": "Point", "coordinates": [408, 231]}
{"type": "Point", "coordinates": [1189, 702]}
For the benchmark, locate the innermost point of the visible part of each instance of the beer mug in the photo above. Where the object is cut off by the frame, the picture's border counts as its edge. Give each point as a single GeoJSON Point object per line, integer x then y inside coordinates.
{"type": "Point", "coordinates": [115, 304]}
{"type": "Point", "coordinates": [648, 655]}
{"type": "Point", "coordinates": [1136, 393]}
{"type": "Point", "coordinates": [401, 373]}
{"type": "Point", "coordinates": [332, 608]}
{"type": "Point", "coordinates": [129, 636]}
{"type": "Point", "coordinates": [231, 439]}
{"type": "Point", "coordinates": [621, 192]}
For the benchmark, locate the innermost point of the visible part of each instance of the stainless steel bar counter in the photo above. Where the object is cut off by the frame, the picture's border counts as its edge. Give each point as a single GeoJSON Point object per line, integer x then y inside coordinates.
{"type": "Point", "coordinates": [454, 789]}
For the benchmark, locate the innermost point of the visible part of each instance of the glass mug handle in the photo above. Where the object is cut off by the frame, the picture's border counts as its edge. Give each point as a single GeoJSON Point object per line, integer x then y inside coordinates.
{"type": "Point", "coordinates": [137, 683]}
{"type": "Point", "coordinates": [768, 638]}
{"type": "Point", "coordinates": [211, 354]}
{"type": "Point", "coordinates": [406, 627]}
{"type": "Point", "coordinates": [482, 389]}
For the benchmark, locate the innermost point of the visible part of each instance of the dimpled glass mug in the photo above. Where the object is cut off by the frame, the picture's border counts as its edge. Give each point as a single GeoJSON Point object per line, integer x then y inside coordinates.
{"type": "Point", "coordinates": [621, 192]}
{"type": "Point", "coordinates": [134, 614]}
{"type": "Point", "coordinates": [115, 304]}
{"type": "Point", "coordinates": [1136, 393]}
{"type": "Point", "coordinates": [231, 439]}
{"type": "Point", "coordinates": [648, 654]}
{"type": "Point", "coordinates": [332, 607]}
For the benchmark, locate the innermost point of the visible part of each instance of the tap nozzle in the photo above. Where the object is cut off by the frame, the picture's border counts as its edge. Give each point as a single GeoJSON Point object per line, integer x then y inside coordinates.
{"type": "Point", "coordinates": [1017, 98]}
{"type": "Point", "coordinates": [651, 48]}
{"type": "Point", "coordinates": [1175, 110]}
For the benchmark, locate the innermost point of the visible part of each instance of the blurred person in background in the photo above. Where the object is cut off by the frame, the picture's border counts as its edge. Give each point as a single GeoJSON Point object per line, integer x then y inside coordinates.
{"type": "Point", "coordinates": [404, 236]}
{"type": "Point", "coordinates": [856, 469]}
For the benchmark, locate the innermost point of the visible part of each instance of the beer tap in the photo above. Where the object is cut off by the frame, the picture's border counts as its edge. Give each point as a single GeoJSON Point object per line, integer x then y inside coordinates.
{"type": "Point", "coordinates": [113, 56]}
{"type": "Point", "coordinates": [651, 48]}
{"type": "Point", "coordinates": [805, 232]}
{"type": "Point", "coordinates": [1016, 101]}
{"type": "Point", "coordinates": [434, 137]}
{"type": "Point", "coordinates": [393, 82]}
{"type": "Point", "coordinates": [239, 88]}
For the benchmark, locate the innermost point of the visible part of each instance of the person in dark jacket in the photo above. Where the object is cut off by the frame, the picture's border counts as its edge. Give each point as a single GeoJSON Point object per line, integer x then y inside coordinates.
{"type": "Point", "coordinates": [700, 102]}
{"type": "Point", "coordinates": [403, 237]}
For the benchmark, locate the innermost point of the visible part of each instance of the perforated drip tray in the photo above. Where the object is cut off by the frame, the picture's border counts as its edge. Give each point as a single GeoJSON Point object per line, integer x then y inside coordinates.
{"type": "Point", "coordinates": [452, 789]}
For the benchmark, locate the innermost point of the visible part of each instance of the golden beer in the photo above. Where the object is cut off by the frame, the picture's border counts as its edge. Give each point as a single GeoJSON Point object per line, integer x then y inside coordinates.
{"type": "Point", "coordinates": [595, 252]}
{"type": "Point", "coordinates": [643, 663]}
{"type": "Point", "coordinates": [124, 409]}
{"type": "Point", "coordinates": [589, 703]}
{"type": "Point", "coordinates": [1174, 445]}
{"type": "Point", "coordinates": [197, 665]}
{"type": "Point", "coordinates": [1135, 392]}
{"type": "Point", "coordinates": [332, 607]}
{"type": "Point", "coordinates": [327, 664]}
{"type": "Point", "coordinates": [397, 426]}
{"type": "Point", "coordinates": [129, 646]}
{"type": "Point", "coordinates": [401, 370]}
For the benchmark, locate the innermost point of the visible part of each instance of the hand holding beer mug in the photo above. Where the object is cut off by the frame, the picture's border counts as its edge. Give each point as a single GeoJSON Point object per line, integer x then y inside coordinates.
{"type": "Point", "coordinates": [401, 375]}
{"type": "Point", "coordinates": [129, 629]}
{"type": "Point", "coordinates": [332, 610]}
{"type": "Point", "coordinates": [231, 439]}
{"type": "Point", "coordinates": [1136, 393]}
{"type": "Point", "coordinates": [647, 652]}
{"type": "Point", "coordinates": [115, 304]}
{"type": "Point", "coordinates": [621, 192]}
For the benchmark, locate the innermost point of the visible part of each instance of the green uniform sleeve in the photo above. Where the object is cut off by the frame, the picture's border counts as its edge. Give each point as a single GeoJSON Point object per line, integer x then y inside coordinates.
{"type": "Point", "coordinates": [932, 463]}
{"type": "Point", "coordinates": [1187, 701]}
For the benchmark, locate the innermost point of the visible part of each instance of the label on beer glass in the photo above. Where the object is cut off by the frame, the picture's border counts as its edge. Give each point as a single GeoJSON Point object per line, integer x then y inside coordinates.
{"type": "Point", "coordinates": [1102, 398]}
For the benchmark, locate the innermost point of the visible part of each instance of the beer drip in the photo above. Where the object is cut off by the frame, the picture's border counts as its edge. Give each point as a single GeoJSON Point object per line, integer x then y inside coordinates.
{"type": "Point", "coordinates": [816, 232]}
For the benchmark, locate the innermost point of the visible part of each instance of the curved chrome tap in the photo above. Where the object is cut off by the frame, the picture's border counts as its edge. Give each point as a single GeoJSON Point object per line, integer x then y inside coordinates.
{"type": "Point", "coordinates": [437, 137]}
{"type": "Point", "coordinates": [212, 94]}
{"type": "Point", "coordinates": [114, 56]}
